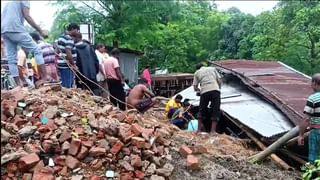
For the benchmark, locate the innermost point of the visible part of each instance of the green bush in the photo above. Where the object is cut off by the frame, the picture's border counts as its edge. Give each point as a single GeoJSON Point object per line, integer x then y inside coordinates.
{"type": "Point", "coordinates": [311, 172]}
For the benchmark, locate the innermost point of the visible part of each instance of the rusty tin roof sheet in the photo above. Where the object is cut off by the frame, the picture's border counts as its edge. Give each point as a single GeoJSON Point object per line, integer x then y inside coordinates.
{"type": "Point", "coordinates": [278, 83]}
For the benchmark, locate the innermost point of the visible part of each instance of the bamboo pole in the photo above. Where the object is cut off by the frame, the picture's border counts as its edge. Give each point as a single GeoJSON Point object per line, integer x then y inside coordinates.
{"type": "Point", "coordinates": [274, 157]}
{"type": "Point", "coordinates": [274, 146]}
{"type": "Point", "coordinates": [293, 156]}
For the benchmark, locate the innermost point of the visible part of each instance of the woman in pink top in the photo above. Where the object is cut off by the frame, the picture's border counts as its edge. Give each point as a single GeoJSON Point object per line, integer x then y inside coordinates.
{"type": "Point", "coordinates": [147, 75]}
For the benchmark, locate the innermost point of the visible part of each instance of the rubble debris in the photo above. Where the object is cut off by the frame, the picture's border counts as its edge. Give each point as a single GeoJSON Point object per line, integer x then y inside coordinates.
{"type": "Point", "coordinates": [80, 136]}
{"type": "Point", "coordinates": [67, 132]}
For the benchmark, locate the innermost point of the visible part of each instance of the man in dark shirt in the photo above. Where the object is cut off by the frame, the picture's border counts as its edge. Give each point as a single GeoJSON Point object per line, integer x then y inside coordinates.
{"type": "Point", "coordinates": [87, 63]}
{"type": "Point", "coordinates": [68, 55]}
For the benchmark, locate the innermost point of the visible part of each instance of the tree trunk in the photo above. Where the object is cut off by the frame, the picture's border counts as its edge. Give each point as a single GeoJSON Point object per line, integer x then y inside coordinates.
{"type": "Point", "coordinates": [115, 43]}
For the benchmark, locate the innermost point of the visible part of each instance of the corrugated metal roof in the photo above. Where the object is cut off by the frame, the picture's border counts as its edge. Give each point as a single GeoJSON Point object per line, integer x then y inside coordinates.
{"type": "Point", "coordinates": [247, 108]}
{"type": "Point", "coordinates": [279, 84]}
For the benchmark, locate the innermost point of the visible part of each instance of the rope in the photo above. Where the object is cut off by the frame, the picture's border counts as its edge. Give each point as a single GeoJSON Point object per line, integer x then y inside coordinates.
{"type": "Point", "coordinates": [68, 63]}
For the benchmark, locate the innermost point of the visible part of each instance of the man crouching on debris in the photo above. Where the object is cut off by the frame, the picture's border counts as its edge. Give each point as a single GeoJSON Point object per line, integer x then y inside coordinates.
{"type": "Point", "coordinates": [312, 119]}
{"type": "Point", "coordinates": [210, 84]}
{"type": "Point", "coordinates": [137, 97]}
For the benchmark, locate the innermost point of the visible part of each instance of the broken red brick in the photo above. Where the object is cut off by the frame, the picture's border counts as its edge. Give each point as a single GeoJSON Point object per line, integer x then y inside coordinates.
{"type": "Point", "coordinates": [146, 133]}
{"type": "Point", "coordinates": [121, 117]}
{"type": "Point", "coordinates": [101, 134]}
{"type": "Point", "coordinates": [139, 174]}
{"type": "Point", "coordinates": [60, 160]}
{"type": "Point", "coordinates": [79, 131]}
{"type": "Point", "coordinates": [193, 162]}
{"type": "Point", "coordinates": [136, 161]}
{"type": "Point", "coordinates": [87, 143]}
{"type": "Point", "coordinates": [83, 153]}
{"type": "Point", "coordinates": [64, 171]}
{"type": "Point", "coordinates": [160, 150]}
{"type": "Point", "coordinates": [57, 169]}
{"type": "Point", "coordinates": [43, 129]}
{"type": "Point", "coordinates": [65, 146]}
{"type": "Point", "coordinates": [74, 146]}
{"type": "Point", "coordinates": [163, 141]}
{"type": "Point", "coordinates": [48, 134]}
{"type": "Point", "coordinates": [27, 162]}
{"type": "Point", "coordinates": [136, 129]}
{"type": "Point", "coordinates": [46, 145]}
{"type": "Point", "coordinates": [97, 151]}
{"type": "Point", "coordinates": [52, 102]}
{"type": "Point", "coordinates": [43, 175]}
{"type": "Point", "coordinates": [128, 136]}
{"type": "Point", "coordinates": [51, 125]}
{"type": "Point", "coordinates": [96, 165]}
{"type": "Point", "coordinates": [38, 167]}
{"type": "Point", "coordinates": [198, 149]}
{"type": "Point", "coordinates": [185, 151]}
{"type": "Point", "coordinates": [116, 148]}
{"type": "Point", "coordinates": [66, 135]}
{"type": "Point", "coordinates": [72, 162]}
{"type": "Point", "coordinates": [126, 176]}
{"type": "Point", "coordinates": [138, 141]}
{"type": "Point", "coordinates": [95, 177]}
{"type": "Point", "coordinates": [18, 121]}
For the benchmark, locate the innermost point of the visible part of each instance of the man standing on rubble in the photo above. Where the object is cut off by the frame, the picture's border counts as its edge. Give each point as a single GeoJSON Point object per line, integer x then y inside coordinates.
{"type": "Point", "coordinates": [49, 56]}
{"type": "Point", "coordinates": [210, 84]}
{"type": "Point", "coordinates": [312, 120]}
{"type": "Point", "coordinates": [14, 34]}
{"type": "Point", "coordinates": [68, 55]}
{"type": "Point", "coordinates": [115, 79]}
{"type": "Point", "coordinates": [87, 63]}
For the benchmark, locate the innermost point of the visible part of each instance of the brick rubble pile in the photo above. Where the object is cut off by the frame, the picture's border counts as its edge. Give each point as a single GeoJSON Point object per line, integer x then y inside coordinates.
{"type": "Point", "coordinates": [51, 133]}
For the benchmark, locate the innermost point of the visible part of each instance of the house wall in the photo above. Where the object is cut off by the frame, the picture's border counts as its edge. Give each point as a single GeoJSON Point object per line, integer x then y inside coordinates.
{"type": "Point", "coordinates": [129, 66]}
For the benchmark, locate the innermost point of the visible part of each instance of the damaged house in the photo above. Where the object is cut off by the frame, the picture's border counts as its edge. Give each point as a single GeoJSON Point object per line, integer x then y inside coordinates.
{"type": "Point", "coordinates": [261, 100]}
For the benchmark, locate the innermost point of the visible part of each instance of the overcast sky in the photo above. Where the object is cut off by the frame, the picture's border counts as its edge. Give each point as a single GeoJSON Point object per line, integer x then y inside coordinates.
{"type": "Point", "coordinates": [42, 12]}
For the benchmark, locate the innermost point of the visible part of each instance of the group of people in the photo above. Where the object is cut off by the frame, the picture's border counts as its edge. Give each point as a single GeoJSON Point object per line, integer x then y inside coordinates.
{"type": "Point", "coordinates": [69, 60]}
{"type": "Point", "coordinates": [72, 56]}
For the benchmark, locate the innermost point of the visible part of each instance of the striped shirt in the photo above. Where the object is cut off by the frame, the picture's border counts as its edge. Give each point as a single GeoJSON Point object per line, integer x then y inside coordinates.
{"type": "Point", "coordinates": [312, 108]}
{"type": "Point", "coordinates": [66, 42]}
{"type": "Point", "coordinates": [49, 55]}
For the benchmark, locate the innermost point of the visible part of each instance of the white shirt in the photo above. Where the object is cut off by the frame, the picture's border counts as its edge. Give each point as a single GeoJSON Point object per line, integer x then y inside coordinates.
{"type": "Point", "coordinates": [100, 76]}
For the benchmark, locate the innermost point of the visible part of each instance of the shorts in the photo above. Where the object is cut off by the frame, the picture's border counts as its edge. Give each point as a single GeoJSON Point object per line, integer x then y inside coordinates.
{"type": "Point", "coordinates": [144, 105]}
{"type": "Point", "coordinates": [212, 97]}
{"type": "Point", "coordinates": [180, 123]}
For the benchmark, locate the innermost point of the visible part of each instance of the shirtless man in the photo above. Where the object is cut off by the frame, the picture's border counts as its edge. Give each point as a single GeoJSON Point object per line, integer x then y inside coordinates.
{"type": "Point", "coordinates": [137, 97]}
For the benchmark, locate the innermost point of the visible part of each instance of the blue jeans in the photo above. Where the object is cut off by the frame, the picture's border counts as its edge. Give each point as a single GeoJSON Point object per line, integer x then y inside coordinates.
{"type": "Point", "coordinates": [67, 77]}
{"type": "Point", "coordinates": [314, 145]}
{"type": "Point", "coordinates": [23, 39]}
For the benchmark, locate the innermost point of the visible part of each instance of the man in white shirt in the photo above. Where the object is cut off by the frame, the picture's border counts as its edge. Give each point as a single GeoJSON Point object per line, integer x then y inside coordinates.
{"type": "Point", "coordinates": [102, 56]}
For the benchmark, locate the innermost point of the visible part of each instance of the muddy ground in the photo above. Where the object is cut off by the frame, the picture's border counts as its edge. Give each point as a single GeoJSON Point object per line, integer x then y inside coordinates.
{"type": "Point", "coordinates": [226, 159]}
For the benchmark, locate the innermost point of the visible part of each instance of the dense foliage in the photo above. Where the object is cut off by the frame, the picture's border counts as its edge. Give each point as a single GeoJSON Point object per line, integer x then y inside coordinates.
{"type": "Point", "coordinates": [176, 35]}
